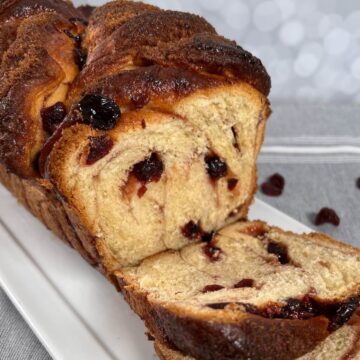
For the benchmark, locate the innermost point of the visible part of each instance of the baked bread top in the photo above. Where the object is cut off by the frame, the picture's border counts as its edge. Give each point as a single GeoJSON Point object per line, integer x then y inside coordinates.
{"type": "Point", "coordinates": [37, 45]}
{"type": "Point", "coordinates": [121, 35]}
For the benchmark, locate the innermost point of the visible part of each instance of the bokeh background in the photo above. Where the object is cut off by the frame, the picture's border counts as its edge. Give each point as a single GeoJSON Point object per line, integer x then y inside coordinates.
{"type": "Point", "coordinates": [311, 48]}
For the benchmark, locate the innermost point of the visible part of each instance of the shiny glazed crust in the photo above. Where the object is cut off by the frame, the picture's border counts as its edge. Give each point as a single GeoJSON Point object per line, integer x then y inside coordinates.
{"type": "Point", "coordinates": [37, 65]}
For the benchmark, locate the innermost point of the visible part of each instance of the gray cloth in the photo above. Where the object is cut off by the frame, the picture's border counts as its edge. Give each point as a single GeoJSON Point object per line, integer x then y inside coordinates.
{"type": "Point", "coordinates": [316, 149]}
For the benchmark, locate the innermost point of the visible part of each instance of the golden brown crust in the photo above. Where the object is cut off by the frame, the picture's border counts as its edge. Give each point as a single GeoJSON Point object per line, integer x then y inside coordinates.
{"type": "Point", "coordinates": [109, 17]}
{"type": "Point", "coordinates": [40, 198]}
{"type": "Point", "coordinates": [171, 39]}
{"type": "Point", "coordinates": [12, 12]}
{"type": "Point", "coordinates": [218, 335]}
{"type": "Point", "coordinates": [24, 8]}
{"type": "Point", "coordinates": [211, 54]}
{"type": "Point", "coordinates": [153, 85]}
{"type": "Point", "coordinates": [31, 70]}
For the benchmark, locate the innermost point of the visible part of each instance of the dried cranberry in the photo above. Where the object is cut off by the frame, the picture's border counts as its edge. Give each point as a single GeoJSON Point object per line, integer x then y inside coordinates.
{"type": "Point", "coordinates": [216, 168]}
{"type": "Point", "coordinates": [191, 230]}
{"type": "Point", "coordinates": [212, 252]}
{"type": "Point", "coordinates": [244, 283]}
{"type": "Point", "coordinates": [218, 306]}
{"type": "Point", "coordinates": [53, 116]}
{"type": "Point", "coordinates": [232, 184]}
{"type": "Point", "coordinates": [211, 288]}
{"type": "Point", "coordinates": [298, 309]}
{"type": "Point", "coordinates": [277, 180]}
{"type": "Point", "coordinates": [142, 191]}
{"type": "Point", "coordinates": [252, 309]}
{"type": "Point", "coordinates": [327, 215]}
{"type": "Point", "coordinates": [207, 237]}
{"type": "Point", "coordinates": [99, 111]}
{"type": "Point", "coordinates": [280, 251]}
{"type": "Point", "coordinates": [274, 185]}
{"type": "Point", "coordinates": [80, 56]}
{"type": "Point", "coordinates": [99, 147]}
{"type": "Point", "coordinates": [358, 183]}
{"type": "Point", "coordinates": [150, 169]}
{"type": "Point", "coordinates": [344, 313]}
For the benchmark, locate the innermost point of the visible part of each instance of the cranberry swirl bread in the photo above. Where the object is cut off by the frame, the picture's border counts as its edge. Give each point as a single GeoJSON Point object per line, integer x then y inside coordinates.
{"type": "Point", "coordinates": [164, 126]}
{"type": "Point", "coordinates": [253, 292]}
{"type": "Point", "coordinates": [132, 133]}
{"type": "Point", "coordinates": [139, 126]}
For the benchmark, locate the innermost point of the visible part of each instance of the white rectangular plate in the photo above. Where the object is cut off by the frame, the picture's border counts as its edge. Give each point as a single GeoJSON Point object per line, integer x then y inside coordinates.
{"type": "Point", "coordinates": [72, 309]}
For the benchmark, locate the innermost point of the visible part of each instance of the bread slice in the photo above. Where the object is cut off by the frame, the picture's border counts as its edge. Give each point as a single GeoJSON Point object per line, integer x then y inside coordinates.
{"type": "Point", "coordinates": [343, 344]}
{"type": "Point", "coordinates": [37, 64]}
{"type": "Point", "coordinates": [253, 292]}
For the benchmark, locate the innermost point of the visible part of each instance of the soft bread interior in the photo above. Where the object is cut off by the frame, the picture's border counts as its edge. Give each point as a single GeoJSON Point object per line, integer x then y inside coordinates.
{"type": "Point", "coordinates": [317, 268]}
{"type": "Point", "coordinates": [132, 220]}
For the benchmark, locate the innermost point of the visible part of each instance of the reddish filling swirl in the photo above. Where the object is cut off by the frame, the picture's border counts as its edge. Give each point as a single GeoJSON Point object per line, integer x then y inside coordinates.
{"type": "Point", "coordinates": [100, 146]}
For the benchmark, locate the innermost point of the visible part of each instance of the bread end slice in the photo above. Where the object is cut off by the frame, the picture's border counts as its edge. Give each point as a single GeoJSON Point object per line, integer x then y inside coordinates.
{"type": "Point", "coordinates": [253, 292]}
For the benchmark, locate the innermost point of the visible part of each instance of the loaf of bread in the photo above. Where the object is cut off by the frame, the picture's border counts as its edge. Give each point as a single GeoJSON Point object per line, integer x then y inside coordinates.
{"type": "Point", "coordinates": [132, 133]}
{"type": "Point", "coordinates": [159, 146]}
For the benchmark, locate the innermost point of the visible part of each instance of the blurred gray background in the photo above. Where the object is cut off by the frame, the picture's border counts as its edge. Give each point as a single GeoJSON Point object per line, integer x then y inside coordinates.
{"type": "Point", "coordinates": [311, 48]}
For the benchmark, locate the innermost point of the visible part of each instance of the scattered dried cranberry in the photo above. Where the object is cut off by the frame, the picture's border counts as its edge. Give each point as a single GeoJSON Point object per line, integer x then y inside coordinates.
{"type": "Point", "coordinates": [216, 168]}
{"type": "Point", "coordinates": [244, 283]}
{"type": "Point", "coordinates": [358, 183]}
{"type": "Point", "coordinates": [212, 252]}
{"type": "Point", "coordinates": [150, 169]}
{"type": "Point", "coordinates": [53, 116]}
{"type": "Point", "coordinates": [344, 313]}
{"type": "Point", "coordinates": [274, 185]}
{"type": "Point", "coordinates": [99, 147]}
{"type": "Point", "coordinates": [327, 215]}
{"type": "Point", "coordinates": [212, 288]}
{"type": "Point", "coordinates": [232, 184]}
{"type": "Point", "coordinates": [280, 251]}
{"type": "Point", "coordinates": [191, 230]}
{"type": "Point", "coordinates": [99, 111]}
{"type": "Point", "coordinates": [80, 56]}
